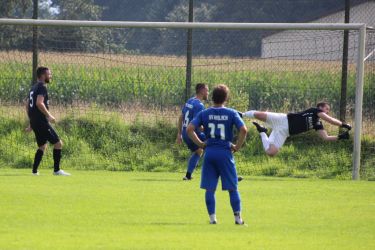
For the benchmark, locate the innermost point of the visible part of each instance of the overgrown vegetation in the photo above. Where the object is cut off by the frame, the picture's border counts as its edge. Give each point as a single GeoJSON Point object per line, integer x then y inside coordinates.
{"type": "Point", "coordinates": [108, 142]}
{"type": "Point", "coordinates": [146, 141]}
{"type": "Point", "coordinates": [165, 86]}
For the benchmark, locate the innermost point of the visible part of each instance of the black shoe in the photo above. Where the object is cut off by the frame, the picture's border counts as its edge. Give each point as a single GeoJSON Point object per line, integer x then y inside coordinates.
{"type": "Point", "coordinates": [239, 178]}
{"type": "Point", "coordinates": [240, 114]}
{"type": "Point", "coordinates": [260, 128]}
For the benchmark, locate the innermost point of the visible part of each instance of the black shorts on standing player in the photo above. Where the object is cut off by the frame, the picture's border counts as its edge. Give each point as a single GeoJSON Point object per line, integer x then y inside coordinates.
{"type": "Point", "coordinates": [44, 133]}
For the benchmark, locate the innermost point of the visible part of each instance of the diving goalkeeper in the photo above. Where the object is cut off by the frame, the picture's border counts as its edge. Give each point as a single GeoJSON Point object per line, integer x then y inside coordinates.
{"type": "Point", "coordinates": [285, 125]}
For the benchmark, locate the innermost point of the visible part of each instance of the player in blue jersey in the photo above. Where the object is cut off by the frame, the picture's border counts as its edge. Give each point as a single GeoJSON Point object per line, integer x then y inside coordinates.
{"type": "Point", "coordinates": [218, 122]}
{"type": "Point", "coordinates": [191, 108]}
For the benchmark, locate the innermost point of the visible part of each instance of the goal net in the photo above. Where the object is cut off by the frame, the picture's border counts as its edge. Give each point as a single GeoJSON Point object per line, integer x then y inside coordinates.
{"type": "Point", "coordinates": [117, 91]}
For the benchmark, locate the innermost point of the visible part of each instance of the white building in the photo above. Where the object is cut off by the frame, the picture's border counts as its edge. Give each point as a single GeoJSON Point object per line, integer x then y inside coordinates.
{"type": "Point", "coordinates": [321, 45]}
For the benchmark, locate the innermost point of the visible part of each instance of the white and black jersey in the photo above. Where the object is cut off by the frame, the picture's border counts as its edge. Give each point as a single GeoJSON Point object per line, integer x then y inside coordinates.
{"type": "Point", "coordinates": [303, 121]}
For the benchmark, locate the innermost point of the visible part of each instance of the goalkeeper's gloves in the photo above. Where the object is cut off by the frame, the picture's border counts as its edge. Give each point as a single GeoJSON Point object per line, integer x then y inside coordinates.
{"type": "Point", "coordinates": [344, 136]}
{"type": "Point", "coordinates": [347, 126]}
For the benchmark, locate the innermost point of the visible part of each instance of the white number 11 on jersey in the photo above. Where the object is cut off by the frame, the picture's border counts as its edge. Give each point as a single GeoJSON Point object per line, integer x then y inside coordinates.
{"type": "Point", "coordinates": [212, 127]}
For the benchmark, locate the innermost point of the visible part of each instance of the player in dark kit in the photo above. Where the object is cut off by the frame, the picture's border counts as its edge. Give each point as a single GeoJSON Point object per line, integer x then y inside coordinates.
{"type": "Point", "coordinates": [284, 125]}
{"type": "Point", "coordinates": [40, 119]}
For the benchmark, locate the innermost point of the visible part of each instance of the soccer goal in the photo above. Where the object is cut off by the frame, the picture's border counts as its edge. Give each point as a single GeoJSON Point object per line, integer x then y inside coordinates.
{"type": "Point", "coordinates": [136, 72]}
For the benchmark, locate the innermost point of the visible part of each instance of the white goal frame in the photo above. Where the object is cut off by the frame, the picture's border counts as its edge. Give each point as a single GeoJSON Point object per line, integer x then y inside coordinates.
{"type": "Point", "coordinates": [360, 27]}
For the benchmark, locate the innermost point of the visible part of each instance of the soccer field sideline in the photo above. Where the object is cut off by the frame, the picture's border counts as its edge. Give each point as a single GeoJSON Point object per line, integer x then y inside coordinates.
{"type": "Point", "coordinates": [135, 210]}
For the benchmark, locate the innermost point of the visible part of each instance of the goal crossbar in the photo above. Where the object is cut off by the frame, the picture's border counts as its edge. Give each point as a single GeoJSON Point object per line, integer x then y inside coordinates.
{"type": "Point", "coordinates": [183, 25]}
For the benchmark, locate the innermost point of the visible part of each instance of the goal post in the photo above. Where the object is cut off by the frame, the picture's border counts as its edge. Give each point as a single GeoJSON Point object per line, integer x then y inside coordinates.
{"type": "Point", "coordinates": [360, 28]}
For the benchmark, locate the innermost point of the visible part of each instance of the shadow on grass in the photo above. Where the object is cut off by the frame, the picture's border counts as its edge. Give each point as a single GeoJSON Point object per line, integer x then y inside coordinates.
{"type": "Point", "coordinates": [262, 178]}
{"type": "Point", "coordinates": [14, 174]}
{"type": "Point", "coordinates": [158, 180]}
{"type": "Point", "coordinates": [157, 224]}
{"type": "Point", "coordinates": [169, 223]}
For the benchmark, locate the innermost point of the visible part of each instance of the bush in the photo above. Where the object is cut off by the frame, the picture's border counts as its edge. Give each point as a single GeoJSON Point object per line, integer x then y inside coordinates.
{"type": "Point", "coordinates": [107, 142]}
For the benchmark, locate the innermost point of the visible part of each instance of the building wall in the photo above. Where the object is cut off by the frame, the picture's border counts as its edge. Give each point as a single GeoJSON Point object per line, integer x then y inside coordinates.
{"type": "Point", "coordinates": [319, 45]}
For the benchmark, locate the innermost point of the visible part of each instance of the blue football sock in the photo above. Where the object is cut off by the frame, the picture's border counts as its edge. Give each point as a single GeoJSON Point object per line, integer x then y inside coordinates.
{"type": "Point", "coordinates": [193, 162]}
{"type": "Point", "coordinates": [210, 202]}
{"type": "Point", "coordinates": [235, 201]}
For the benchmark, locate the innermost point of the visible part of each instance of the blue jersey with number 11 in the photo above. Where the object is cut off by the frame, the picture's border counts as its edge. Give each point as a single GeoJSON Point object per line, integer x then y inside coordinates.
{"type": "Point", "coordinates": [218, 126]}
{"type": "Point", "coordinates": [192, 107]}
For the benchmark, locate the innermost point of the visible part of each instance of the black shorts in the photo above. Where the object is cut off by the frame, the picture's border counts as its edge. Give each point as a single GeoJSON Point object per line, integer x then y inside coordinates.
{"type": "Point", "coordinates": [44, 132]}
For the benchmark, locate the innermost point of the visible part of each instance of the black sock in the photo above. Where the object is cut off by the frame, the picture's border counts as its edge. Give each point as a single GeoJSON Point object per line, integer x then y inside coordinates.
{"type": "Point", "coordinates": [37, 159]}
{"type": "Point", "coordinates": [56, 159]}
{"type": "Point", "coordinates": [188, 175]}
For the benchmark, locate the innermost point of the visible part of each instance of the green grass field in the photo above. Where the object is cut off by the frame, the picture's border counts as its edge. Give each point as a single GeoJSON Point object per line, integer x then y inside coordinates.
{"type": "Point", "coordinates": [119, 210]}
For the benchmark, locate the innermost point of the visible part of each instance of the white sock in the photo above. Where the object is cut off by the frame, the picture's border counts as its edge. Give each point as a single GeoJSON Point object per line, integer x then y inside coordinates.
{"type": "Point", "coordinates": [237, 217]}
{"type": "Point", "coordinates": [265, 141]}
{"type": "Point", "coordinates": [212, 217]}
{"type": "Point", "coordinates": [249, 114]}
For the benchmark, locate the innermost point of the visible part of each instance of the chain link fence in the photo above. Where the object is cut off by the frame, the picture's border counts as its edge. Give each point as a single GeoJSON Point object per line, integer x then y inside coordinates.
{"type": "Point", "coordinates": [117, 102]}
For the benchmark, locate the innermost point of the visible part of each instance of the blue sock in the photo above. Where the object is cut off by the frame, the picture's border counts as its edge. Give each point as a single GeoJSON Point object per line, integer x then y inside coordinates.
{"type": "Point", "coordinates": [210, 202]}
{"type": "Point", "coordinates": [235, 201]}
{"type": "Point", "coordinates": [193, 162]}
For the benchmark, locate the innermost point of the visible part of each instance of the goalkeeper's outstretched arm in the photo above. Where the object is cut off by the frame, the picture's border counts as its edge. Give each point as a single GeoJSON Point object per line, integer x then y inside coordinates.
{"type": "Point", "coordinates": [323, 133]}
{"type": "Point", "coordinates": [334, 121]}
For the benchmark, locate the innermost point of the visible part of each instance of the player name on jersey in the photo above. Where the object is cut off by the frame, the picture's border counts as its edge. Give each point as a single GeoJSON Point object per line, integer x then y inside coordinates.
{"type": "Point", "coordinates": [218, 117]}
{"type": "Point", "coordinates": [188, 105]}
{"type": "Point", "coordinates": [310, 122]}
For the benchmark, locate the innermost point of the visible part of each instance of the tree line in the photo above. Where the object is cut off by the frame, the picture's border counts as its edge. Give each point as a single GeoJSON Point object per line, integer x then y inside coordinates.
{"type": "Point", "coordinates": [213, 43]}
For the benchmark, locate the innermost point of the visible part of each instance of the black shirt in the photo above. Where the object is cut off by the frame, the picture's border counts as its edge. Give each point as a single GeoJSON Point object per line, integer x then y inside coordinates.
{"type": "Point", "coordinates": [35, 114]}
{"type": "Point", "coordinates": [303, 121]}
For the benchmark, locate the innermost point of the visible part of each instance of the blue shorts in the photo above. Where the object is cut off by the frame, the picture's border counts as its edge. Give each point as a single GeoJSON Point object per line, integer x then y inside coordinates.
{"type": "Point", "coordinates": [189, 143]}
{"type": "Point", "coordinates": [219, 162]}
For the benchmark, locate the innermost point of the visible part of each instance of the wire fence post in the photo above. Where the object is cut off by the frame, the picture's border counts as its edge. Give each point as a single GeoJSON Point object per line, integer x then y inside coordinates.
{"type": "Point", "coordinates": [358, 103]}
{"type": "Point", "coordinates": [344, 70]}
{"type": "Point", "coordinates": [189, 54]}
{"type": "Point", "coordinates": [35, 42]}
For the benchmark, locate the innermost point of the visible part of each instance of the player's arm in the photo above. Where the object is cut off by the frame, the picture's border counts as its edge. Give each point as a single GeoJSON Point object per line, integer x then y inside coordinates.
{"type": "Point", "coordinates": [241, 139]}
{"type": "Point", "coordinates": [324, 135]}
{"type": "Point", "coordinates": [179, 127]}
{"type": "Point", "coordinates": [194, 137]}
{"type": "Point", "coordinates": [27, 106]}
{"type": "Point", "coordinates": [197, 110]}
{"type": "Point", "coordinates": [43, 108]}
{"type": "Point", "coordinates": [333, 121]}
{"type": "Point", "coordinates": [28, 129]}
